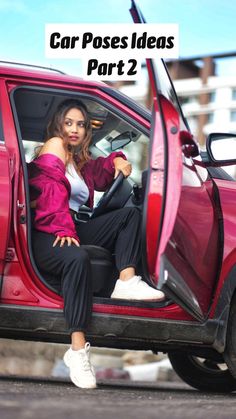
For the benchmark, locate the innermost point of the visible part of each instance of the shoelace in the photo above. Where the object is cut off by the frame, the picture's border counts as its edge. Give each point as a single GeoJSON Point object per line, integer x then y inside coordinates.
{"type": "Point", "coordinates": [85, 362]}
{"type": "Point", "coordinates": [85, 358]}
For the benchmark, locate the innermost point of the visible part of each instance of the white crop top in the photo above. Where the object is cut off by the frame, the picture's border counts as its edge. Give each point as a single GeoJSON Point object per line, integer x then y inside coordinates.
{"type": "Point", "coordinates": [79, 190]}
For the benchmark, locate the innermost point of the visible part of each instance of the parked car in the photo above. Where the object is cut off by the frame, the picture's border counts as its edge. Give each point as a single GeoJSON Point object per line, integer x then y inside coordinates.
{"type": "Point", "coordinates": [188, 224]}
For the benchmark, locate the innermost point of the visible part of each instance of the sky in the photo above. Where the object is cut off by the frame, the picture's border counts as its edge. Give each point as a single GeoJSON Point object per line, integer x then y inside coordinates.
{"type": "Point", "coordinates": [205, 26]}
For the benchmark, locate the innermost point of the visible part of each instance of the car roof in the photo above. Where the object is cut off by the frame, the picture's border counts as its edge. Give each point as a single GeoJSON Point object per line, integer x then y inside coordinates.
{"type": "Point", "coordinates": [45, 73]}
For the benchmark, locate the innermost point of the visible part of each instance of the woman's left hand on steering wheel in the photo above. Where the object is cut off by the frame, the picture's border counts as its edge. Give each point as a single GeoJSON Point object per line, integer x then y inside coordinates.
{"type": "Point", "coordinates": [122, 165]}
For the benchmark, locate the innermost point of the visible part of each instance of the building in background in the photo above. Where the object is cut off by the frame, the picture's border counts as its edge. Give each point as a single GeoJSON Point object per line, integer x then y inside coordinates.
{"type": "Point", "coordinates": [206, 87]}
{"type": "Point", "coordinates": [207, 92]}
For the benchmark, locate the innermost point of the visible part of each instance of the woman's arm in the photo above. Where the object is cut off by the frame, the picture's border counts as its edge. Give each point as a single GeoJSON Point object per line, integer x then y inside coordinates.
{"type": "Point", "coordinates": [50, 188]}
{"type": "Point", "coordinates": [104, 169]}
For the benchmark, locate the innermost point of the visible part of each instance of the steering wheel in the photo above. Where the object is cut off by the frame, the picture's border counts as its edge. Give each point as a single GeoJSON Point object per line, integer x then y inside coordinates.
{"type": "Point", "coordinates": [107, 196]}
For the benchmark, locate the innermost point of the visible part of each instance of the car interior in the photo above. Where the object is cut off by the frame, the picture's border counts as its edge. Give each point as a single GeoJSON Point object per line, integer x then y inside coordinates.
{"type": "Point", "coordinates": [33, 110]}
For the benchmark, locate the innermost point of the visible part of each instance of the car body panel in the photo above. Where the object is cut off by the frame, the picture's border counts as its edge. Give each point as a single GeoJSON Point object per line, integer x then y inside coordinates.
{"type": "Point", "coordinates": [22, 284]}
{"type": "Point", "coordinates": [176, 196]}
{"type": "Point", "coordinates": [115, 330]}
{"type": "Point", "coordinates": [5, 205]}
{"type": "Point", "coordinates": [8, 167]}
{"type": "Point", "coordinates": [227, 196]}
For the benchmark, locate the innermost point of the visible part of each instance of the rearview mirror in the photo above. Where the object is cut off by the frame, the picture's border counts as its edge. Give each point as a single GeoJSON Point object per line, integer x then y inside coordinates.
{"type": "Point", "coordinates": [221, 148]}
{"type": "Point", "coordinates": [122, 140]}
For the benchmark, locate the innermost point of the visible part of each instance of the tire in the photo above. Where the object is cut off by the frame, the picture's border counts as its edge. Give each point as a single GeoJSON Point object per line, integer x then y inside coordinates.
{"type": "Point", "coordinates": [230, 350]}
{"type": "Point", "coordinates": [202, 374]}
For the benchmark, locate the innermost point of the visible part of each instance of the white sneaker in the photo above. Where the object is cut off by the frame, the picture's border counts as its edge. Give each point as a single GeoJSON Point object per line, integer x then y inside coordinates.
{"type": "Point", "coordinates": [82, 373]}
{"type": "Point", "coordinates": [136, 289]}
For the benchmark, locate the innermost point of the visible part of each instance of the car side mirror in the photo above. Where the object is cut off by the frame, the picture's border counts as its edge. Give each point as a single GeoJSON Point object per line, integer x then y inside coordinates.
{"type": "Point", "coordinates": [122, 140]}
{"type": "Point", "coordinates": [221, 148]}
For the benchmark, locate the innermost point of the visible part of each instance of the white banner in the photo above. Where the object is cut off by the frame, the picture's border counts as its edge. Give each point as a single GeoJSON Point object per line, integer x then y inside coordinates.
{"type": "Point", "coordinates": [109, 50]}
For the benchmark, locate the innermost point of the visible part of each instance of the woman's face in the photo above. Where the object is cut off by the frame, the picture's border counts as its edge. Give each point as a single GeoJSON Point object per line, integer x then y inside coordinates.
{"type": "Point", "coordinates": [74, 127]}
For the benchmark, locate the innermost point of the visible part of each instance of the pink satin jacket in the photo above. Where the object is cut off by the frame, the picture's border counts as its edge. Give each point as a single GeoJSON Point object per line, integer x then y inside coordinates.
{"type": "Point", "coordinates": [50, 188]}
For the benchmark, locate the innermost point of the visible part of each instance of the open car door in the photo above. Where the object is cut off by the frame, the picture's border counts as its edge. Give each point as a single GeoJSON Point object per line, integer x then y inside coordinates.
{"type": "Point", "coordinates": [175, 190]}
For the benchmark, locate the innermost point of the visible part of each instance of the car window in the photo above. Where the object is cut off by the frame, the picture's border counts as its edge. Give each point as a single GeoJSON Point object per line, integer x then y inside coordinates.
{"type": "Point", "coordinates": [136, 152]}
{"type": "Point", "coordinates": [34, 109]}
{"type": "Point", "coordinates": [30, 148]}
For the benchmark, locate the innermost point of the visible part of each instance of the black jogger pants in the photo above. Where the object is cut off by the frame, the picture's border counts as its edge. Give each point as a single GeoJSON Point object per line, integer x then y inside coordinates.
{"type": "Point", "coordinates": [117, 231]}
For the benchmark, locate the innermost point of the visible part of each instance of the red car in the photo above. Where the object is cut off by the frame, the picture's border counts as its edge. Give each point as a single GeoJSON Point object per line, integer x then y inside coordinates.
{"type": "Point", "coordinates": [188, 225]}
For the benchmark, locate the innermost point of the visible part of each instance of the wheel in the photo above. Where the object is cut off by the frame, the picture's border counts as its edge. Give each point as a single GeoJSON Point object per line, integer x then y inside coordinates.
{"type": "Point", "coordinates": [107, 196]}
{"type": "Point", "coordinates": [230, 350]}
{"type": "Point", "coordinates": [201, 373]}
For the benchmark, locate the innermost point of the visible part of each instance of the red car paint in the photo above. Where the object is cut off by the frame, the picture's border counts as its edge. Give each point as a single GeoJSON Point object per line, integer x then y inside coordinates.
{"type": "Point", "coordinates": [21, 285]}
{"type": "Point", "coordinates": [188, 223]}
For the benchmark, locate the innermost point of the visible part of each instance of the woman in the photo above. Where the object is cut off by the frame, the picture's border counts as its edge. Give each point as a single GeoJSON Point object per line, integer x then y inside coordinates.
{"type": "Point", "coordinates": [63, 177]}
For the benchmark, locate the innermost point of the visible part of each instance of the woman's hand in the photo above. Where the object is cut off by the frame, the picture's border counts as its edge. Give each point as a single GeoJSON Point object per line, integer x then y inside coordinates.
{"type": "Point", "coordinates": [63, 240]}
{"type": "Point", "coordinates": [122, 165]}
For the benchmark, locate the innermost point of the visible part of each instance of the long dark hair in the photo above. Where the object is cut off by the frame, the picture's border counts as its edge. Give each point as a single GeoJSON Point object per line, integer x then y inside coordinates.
{"type": "Point", "coordinates": [55, 129]}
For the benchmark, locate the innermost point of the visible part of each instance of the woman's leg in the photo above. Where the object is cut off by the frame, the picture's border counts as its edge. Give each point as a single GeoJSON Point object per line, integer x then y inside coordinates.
{"type": "Point", "coordinates": [127, 273]}
{"type": "Point", "coordinates": [78, 341]}
{"type": "Point", "coordinates": [70, 265]}
{"type": "Point", "coordinates": [119, 232]}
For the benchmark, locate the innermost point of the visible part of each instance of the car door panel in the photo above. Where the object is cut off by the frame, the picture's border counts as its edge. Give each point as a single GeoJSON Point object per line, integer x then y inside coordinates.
{"type": "Point", "coordinates": [181, 224]}
{"type": "Point", "coordinates": [193, 247]}
{"type": "Point", "coordinates": [7, 173]}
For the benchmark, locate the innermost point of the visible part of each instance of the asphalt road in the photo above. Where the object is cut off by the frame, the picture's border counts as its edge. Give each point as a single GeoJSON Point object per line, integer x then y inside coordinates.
{"type": "Point", "coordinates": [23, 398]}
